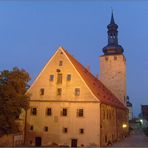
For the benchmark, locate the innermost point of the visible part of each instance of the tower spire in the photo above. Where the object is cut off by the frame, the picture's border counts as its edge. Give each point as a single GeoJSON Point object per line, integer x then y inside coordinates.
{"type": "Point", "coordinates": [112, 47]}
{"type": "Point", "coordinates": [112, 18]}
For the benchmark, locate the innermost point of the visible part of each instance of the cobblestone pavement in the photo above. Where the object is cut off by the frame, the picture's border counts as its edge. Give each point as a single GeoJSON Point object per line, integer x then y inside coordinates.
{"type": "Point", "coordinates": [137, 139]}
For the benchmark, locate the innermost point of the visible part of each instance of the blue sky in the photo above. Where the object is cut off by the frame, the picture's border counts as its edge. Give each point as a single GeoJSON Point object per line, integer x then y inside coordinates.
{"type": "Point", "coordinates": [31, 31]}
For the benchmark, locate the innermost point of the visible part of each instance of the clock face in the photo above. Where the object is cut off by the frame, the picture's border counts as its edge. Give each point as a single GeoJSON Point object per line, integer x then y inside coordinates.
{"type": "Point", "coordinates": [111, 40]}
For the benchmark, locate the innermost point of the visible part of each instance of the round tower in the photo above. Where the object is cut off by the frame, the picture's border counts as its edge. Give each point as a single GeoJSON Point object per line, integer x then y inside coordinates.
{"type": "Point", "coordinates": [113, 64]}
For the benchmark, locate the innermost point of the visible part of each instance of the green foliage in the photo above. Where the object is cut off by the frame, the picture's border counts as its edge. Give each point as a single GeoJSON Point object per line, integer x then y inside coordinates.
{"type": "Point", "coordinates": [13, 85]}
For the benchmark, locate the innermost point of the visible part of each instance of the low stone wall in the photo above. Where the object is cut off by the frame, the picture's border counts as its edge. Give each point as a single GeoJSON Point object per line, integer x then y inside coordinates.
{"type": "Point", "coordinates": [11, 140]}
{"type": "Point", "coordinates": [6, 140]}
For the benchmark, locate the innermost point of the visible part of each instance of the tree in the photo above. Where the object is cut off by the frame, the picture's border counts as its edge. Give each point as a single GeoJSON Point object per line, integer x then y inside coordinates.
{"type": "Point", "coordinates": [13, 85]}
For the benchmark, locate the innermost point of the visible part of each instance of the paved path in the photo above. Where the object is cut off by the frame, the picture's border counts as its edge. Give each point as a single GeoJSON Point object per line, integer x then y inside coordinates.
{"type": "Point", "coordinates": [134, 140]}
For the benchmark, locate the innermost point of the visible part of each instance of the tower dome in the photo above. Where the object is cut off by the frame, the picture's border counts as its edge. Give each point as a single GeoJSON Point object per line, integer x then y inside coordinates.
{"type": "Point", "coordinates": [112, 47]}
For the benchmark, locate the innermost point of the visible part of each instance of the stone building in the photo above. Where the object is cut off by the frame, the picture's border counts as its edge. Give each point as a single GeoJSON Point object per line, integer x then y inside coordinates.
{"type": "Point", "coordinates": [144, 116]}
{"type": "Point", "coordinates": [144, 111]}
{"type": "Point", "coordinates": [71, 107]}
{"type": "Point", "coordinates": [130, 109]}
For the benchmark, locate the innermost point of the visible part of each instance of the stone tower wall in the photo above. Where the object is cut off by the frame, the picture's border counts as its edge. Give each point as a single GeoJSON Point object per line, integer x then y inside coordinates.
{"type": "Point", "coordinates": [113, 74]}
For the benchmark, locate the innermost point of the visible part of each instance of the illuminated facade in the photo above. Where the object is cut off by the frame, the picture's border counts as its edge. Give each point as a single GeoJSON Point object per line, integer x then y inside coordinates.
{"type": "Point", "coordinates": [113, 64]}
{"type": "Point", "coordinates": [71, 107]}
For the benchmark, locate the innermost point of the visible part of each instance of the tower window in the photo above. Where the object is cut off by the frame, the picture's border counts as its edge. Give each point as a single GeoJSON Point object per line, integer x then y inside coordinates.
{"type": "Point", "coordinates": [77, 91]}
{"type": "Point", "coordinates": [51, 78]}
{"type": "Point", "coordinates": [65, 130]}
{"type": "Point", "coordinates": [60, 63]}
{"type": "Point", "coordinates": [106, 58]}
{"type": "Point", "coordinates": [46, 128]}
{"type": "Point", "coordinates": [31, 127]}
{"type": "Point", "coordinates": [59, 91]}
{"type": "Point", "coordinates": [48, 111]}
{"type": "Point", "coordinates": [68, 77]}
{"type": "Point", "coordinates": [42, 91]}
{"type": "Point", "coordinates": [115, 57]}
{"type": "Point", "coordinates": [80, 113]}
{"type": "Point", "coordinates": [81, 131]}
{"type": "Point", "coordinates": [33, 111]}
{"type": "Point", "coordinates": [59, 79]}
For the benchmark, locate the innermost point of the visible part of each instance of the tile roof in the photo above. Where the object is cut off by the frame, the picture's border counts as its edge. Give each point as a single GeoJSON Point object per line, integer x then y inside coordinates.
{"type": "Point", "coordinates": [103, 94]}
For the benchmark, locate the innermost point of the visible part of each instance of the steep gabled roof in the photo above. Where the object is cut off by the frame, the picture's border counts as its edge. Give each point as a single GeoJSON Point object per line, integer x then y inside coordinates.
{"type": "Point", "coordinates": [103, 94]}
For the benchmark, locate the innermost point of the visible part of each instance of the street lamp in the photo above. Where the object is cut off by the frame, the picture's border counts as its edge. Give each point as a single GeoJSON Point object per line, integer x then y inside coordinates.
{"type": "Point", "coordinates": [124, 125]}
{"type": "Point", "coordinates": [141, 121]}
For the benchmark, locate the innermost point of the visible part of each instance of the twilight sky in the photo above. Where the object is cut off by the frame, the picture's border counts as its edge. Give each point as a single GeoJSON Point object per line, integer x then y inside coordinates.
{"type": "Point", "coordinates": [31, 31]}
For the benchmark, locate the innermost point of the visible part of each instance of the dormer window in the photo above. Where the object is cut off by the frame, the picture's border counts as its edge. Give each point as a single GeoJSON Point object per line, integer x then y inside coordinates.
{"type": "Point", "coordinates": [60, 63]}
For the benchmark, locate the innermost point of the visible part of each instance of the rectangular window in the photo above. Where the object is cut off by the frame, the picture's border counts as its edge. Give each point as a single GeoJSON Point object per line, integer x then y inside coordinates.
{"type": "Point", "coordinates": [105, 138]}
{"type": "Point", "coordinates": [103, 114]}
{"type": "Point", "coordinates": [48, 111]}
{"type": "Point", "coordinates": [59, 91]}
{"type": "Point", "coordinates": [64, 112]}
{"type": "Point", "coordinates": [68, 77]}
{"type": "Point", "coordinates": [60, 63]}
{"type": "Point", "coordinates": [65, 130]}
{"type": "Point", "coordinates": [109, 115]}
{"type": "Point", "coordinates": [80, 113]}
{"type": "Point", "coordinates": [42, 91]}
{"type": "Point", "coordinates": [31, 127]}
{"type": "Point", "coordinates": [77, 91]}
{"type": "Point", "coordinates": [59, 79]}
{"type": "Point", "coordinates": [51, 78]}
{"type": "Point", "coordinates": [46, 128]}
{"type": "Point", "coordinates": [106, 58]}
{"type": "Point", "coordinates": [81, 131]}
{"type": "Point", "coordinates": [106, 114]}
{"type": "Point", "coordinates": [33, 111]}
{"type": "Point", "coordinates": [115, 57]}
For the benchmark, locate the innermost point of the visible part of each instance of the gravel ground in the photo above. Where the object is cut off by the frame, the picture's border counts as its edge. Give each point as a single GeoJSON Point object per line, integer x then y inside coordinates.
{"type": "Point", "coordinates": [137, 139]}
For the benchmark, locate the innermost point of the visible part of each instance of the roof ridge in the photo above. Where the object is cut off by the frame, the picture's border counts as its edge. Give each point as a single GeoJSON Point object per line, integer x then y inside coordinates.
{"type": "Point", "coordinates": [96, 86]}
